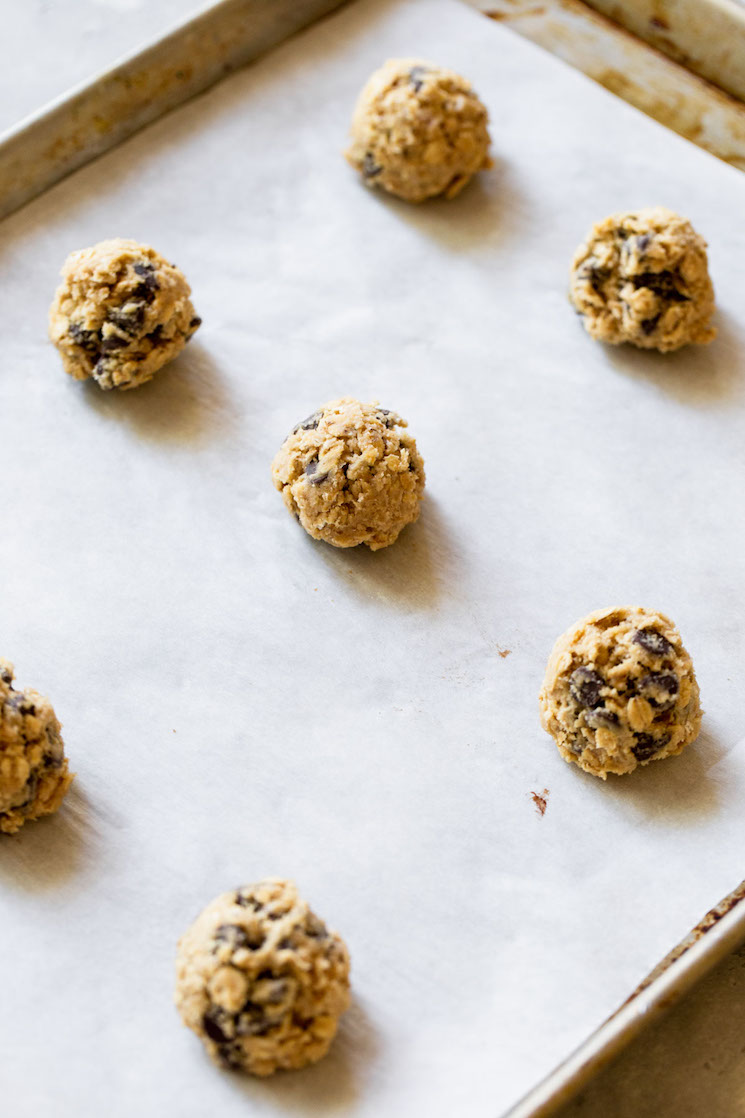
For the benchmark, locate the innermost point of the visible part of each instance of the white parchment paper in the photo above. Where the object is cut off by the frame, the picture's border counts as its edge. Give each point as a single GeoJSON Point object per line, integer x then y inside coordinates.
{"type": "Point", "coordinates": [240, 701]}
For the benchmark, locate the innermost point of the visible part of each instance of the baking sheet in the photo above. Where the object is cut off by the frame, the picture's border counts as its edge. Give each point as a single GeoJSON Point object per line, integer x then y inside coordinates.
{"type": "Point", "coordinates": [139, 88]}
{"type": "Point", "coordinates": [53, 47]}
{"type": "Point", "coordinates": [239, 700]}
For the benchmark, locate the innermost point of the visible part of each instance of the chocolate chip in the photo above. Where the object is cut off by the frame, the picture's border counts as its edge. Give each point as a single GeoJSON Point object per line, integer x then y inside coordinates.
{"type": "Point", "coordinates": [660, 689]}
{"type": "Point", "coordinates": [101, 368]}
{"type": "Point", "coordinates": [647, 746]}
{"type": "Point", "coordinates": [51, 762]}
{"type": "Point", "coordinates": [315, 927]}
{"type": "Point", "coordinates": [129, 317]}
{"type": "Point", "coordinates": [86, 339]}
{"type": "Point", "coordinates": [230, 1056]}
{"type": "Point", "coordinates": [20, 703]}
{"type": "Point", "coordinates": [155, 336]}
{"type": "Point", "coordinates": [146, 290]}
{"type": "Point", "coordinates": [649, 325]}
{"type": "Point", "coordinates": [662, 284]}
{"type": "Point", "coordinates": [308, 424]}
{"type": "Point", "coordinates": [369, 167]}
{"type": "Point", "coordinates": [600, 717]}
{"type": "Point", "coordinates": [237, 937]}
{"type": "Point", "coordinates": [147, 272]}
{"type": "Point", "coordinates": [214, 1023]}
{"type": "Point", "coordinates": [652, 641]}
{"type": "Point", "coordinates": [246, 899]}
{"type": "Point", "coordinates": [416, 75]}
{"type": "Point", "coordinates": [585, 686]}
{"type": "Point", "coordinates": [595, 276]}
{"type": "Point", "coordinates": [6, 676]}
{"type": "Point", "coordinates": [196, 321]}
{"type": "Point", "coordinates": [310, 471]}
{"type": "Point", "coordinates": [643, 243]}
{"type": "Point", "coordinates": [252, 1020]}
{"type": "Point", "coordinates": [113, 342]}
{"type": "Point", "coordinates": [53, 737]}
{"type": "Point", "coordinates": [277, 991]}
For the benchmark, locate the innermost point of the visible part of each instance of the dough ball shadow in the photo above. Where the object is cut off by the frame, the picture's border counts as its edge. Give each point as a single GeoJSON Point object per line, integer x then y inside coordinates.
{"type": "Point", "coordinates": [478, 219]}
{"type": "Point", "coordinates": [46, 852]}
{"type": "Point", "coordinates": [675, 791]}
{"type": "Point", "coordinates": [185, 402]}
{"type": "Point", "coordinates": [412, 572]}
{"type": "Point", "coordinates": [333, 1084]}
{"type": "Point", "coordinates": [694, 375]}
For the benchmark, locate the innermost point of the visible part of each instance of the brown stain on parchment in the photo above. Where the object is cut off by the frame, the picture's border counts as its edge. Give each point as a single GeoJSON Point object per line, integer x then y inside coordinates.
{"type": "Point", "coordinates": [540, 799]}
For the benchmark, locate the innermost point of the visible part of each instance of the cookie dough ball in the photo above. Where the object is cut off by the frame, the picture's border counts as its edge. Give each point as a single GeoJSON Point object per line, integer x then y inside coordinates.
{"type": "Point", "coordinates": [620, 691]}
{"type": "Point", "coordinates": [643, 278]}
{"type": "Point", "coordinates": [349, 476]}
{"type": "Point", "coordinates": [261, 980]}
{"type": "Point", "coordinates": [33, 766]}
{"type": "Point", "coordinates": [120, 314]}
{"type": "Point", "coordinates": [418, 130]}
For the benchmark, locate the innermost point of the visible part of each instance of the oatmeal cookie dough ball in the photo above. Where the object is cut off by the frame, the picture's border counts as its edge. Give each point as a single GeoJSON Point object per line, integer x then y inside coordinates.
{"type": "Point", "coordinates": [620, 691]}
{"type": "Point", "coordinates": [418, 130]}
{"type": "Point", "coordinates": [120, 314]}
{"type": "Point", "coordinates": [642, 277]}
{"type": "Point", "coordinates": [33, 766]}
{"type": "Point", "coordinates": [261, 980]}
{"type": "Point", "coordinates": [349, 476]}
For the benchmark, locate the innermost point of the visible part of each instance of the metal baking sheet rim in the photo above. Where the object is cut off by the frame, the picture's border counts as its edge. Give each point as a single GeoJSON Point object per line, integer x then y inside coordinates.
{"type": "Point", "coordinates": [98, 114]}
{"type": "Point", "coordinates": [720, 931]}
{"type": "Point", "coordinates": [705, 36]}
{"type": "Point", "coordinates": [82, 124]}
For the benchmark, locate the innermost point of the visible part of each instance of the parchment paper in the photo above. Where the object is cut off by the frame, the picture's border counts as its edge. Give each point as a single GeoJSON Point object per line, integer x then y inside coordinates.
{"type": "Point", "coordinates": [240, 701]}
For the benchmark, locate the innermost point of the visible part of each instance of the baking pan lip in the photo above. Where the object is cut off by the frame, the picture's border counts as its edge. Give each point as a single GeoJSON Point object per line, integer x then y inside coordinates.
{"type": "Point", "coordinates": [120, 67]}
{"type": "Point", "coordinates": [716, 935]}
{"type": "Point", "coordinates": [103, 110]}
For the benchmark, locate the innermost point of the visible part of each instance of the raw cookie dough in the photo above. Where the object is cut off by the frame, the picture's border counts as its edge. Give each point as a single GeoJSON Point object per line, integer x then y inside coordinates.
{"type": "Point", "coordinates": [33, 766]}
{"type": "Point", "coordinates": [349, 476]}
{"type": "Point", "coordinates": [418, 130]}
{"type": "Point", "coordinates": [261, 980]}
{"type": "Point", "coordinates": [643, 278]}
{"type": "Point", "coordinates": [620, 691]}
{"type": "Point", "coordinates": [120, 314]}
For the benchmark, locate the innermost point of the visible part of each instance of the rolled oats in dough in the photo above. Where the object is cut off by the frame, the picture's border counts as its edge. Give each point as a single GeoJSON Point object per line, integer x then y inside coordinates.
{"type": "Point", "coordinates": [418, 130]}
{"type": "Point", "coordinates": [33, 766]}
{"type": "Point", "coordinates": [349, 476]}
{"type": "Point", "coordinates": [642, 277]}
{"type": "Point", "coordinates": [261, 980]}
{"type": "Point", "coordinates": [620, 691]}
{"type": "Point", "coordinates": [120, 314]}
